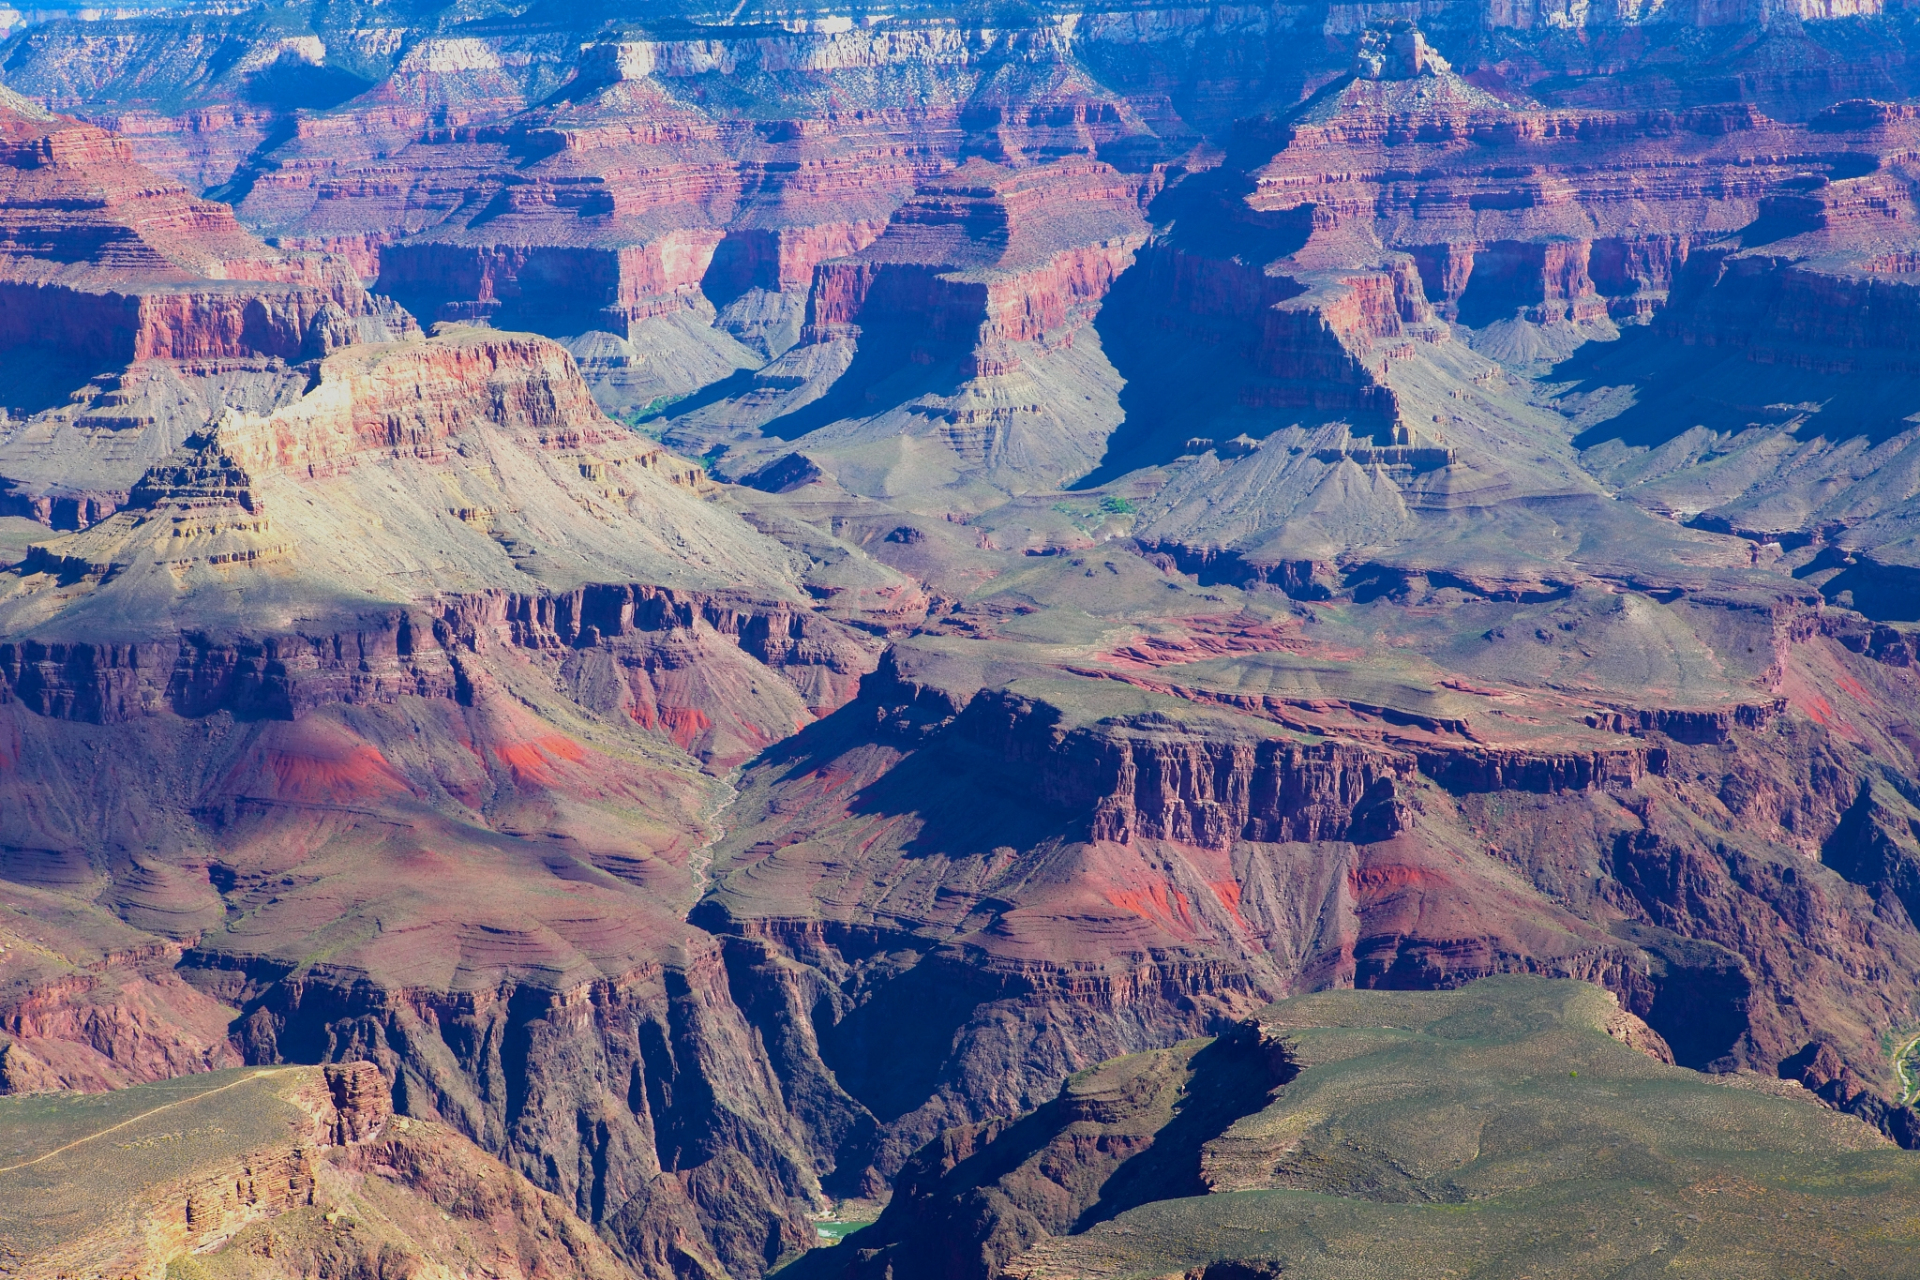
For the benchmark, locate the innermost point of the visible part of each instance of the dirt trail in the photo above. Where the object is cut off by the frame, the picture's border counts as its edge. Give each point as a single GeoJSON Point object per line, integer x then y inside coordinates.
{"type": "Point", "coordinates": [167, 1106]}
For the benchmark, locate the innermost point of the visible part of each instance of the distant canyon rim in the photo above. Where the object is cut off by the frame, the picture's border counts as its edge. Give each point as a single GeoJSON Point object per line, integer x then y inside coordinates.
{"type": "Point", "coordinates": [723, 592]}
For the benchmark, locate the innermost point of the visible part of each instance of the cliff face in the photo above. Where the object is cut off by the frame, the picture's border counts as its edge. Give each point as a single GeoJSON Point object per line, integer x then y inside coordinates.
{"type": "Point", "coordinates": [639, 1099]}
{"type": "Point", "coordinates": [1374, 1120]}
{"type": "Point", "coordinates": [560, 289]}
{"type": "Point", "coordinates": [974, 262]}
{"type": "Point", "coordinates": [1178, 567]}
{"type": "Point", "coordinates": [296, 1170]}
{"type": "Point", "coordinates": [1800, 306]}
{"type": "Point", "coordinates": [412, 401]}
{"type": "Point", "coordinates": [644, 633]}
{"type": "Point", "coordinates": [1158, 781]}
{"type": "Point", "coordinates": [102, 260]}
{"type": "Point", "coordinates": [77, 1021]}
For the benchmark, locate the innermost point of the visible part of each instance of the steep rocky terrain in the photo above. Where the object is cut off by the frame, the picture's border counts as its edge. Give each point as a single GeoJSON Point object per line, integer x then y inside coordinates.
{"type": "Point", "coordinates": [265, 1173]}
{"type": "Point", "coordinates": [1505, 1128]}
{"type": "Point", "coordinates": [103, 263]}
{"type": "Point", "coordinates": [731, 597]}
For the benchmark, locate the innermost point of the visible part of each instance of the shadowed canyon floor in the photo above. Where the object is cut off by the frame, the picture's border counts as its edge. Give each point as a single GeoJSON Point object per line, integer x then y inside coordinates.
{"type": "Point", "coordinates": [729, 598]}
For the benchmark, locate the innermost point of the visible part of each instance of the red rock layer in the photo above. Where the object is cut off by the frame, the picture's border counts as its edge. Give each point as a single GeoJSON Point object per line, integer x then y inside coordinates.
{"type": "Point", "coordinates": [101, 257]}
{"type": "Point", "coordinates": [124, 1019]}
{"type": "Point", "coordinates": [1555, 214]}
{"type": "Point", "coordinates": [412, 399]}
{"type": "Point", "coordinates": [596, 213]}
{"type": "Point", "coordinates": [987, 260]}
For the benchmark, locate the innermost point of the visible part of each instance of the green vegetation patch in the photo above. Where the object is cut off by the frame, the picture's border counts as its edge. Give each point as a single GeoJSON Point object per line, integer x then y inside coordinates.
{"type": "Point", "coordinates": [72, 1163]}
{"type": "Point", "coordinates": [1499, 1131]}
{"type": "Point", "coordinates": [1906, 1068]}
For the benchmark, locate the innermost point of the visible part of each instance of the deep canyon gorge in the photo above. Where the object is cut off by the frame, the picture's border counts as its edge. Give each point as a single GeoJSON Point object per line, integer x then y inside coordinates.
{"type": "Point", "coordinates": [626, 630]}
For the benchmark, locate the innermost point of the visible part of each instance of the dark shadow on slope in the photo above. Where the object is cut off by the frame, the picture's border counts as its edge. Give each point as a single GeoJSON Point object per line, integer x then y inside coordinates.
{"type": "Point", "coordinates": [1883, 592]}
{"type": "Point", "coordinates": [888, 369]}
{"type": "Point", "coordinates": [1877, 846]}
{"type": "Point", "coordinates": [1232, 1077]}
{"type": "Point", "coordinates": [1182, 374]}
{"type": "Point", "coordinates": [292, 85]}
{"type": "Point", "coordinates": [258, 163]}
{"type": "Point", "coordinates": [1671, 389]}
{"type": "Point", "coordinates": [1184, 357]}
{"type": "Point", "coordinates": [737, 383]}
{"type": "Point", "coordinates": [1675, 392]}
{"type": "Point", "coordinates": [894, 1049]}
{"type": "Point", "coordinates": [964, 805]}
{"type": "Point", "coordinates": [1701, 991]}
{"type": "Point", "coordinates": [928, 1230]}
{"type": "Point", "coordinates": [1678, 386]}
{"type": "Point", "coordinates": [894, 1052]}
{"type": "Point", "coordinates": [976, 1196]}
{"type": "Point", "coordinates": [36, 378]}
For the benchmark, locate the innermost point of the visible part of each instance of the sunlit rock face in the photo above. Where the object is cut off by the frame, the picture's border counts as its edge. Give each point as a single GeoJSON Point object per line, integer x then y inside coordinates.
{"type": "Point", "coordinates": [730, 598]}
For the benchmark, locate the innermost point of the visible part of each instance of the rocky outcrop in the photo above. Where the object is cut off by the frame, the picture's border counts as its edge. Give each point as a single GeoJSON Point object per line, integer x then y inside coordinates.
{"type": "Point", "coordinates": [557, 289]}
{"type": "Point", "coordinates": [975, 265]}
{"type": "Point", "coordinates": [1391, 1104]}
{"type": "Point", "coordinates": [1301, 579]}
{"type": "Point", "coordinates": [1819, 1067]}
{"type": "Point", "coordinates": [1780, 314]}
{"type": "Point", "coordinates": [290, 1178]}
{"type": "Point", "coordinates": [640, 1100]}
{"type": "Point", "coordinates": [1877, 846]}
{"type": "Point", "coordinates": [1561, 216]}
{"type": "Point", "coordinates": [1157, 780]}
{"type": "Point", "coordinates": [197, 675]}
{"type": "Point", "coordinates": [1127, 1131]}
{"type": "Point", "coordinates": [103, 261]}
{"type": "Point", "coordinates": [126, 1018]}
{"type": "Point", "coordinates": [1474, 769]}
{"type": "Point", "coordinates": [1690, 724]}
{"type": "Point", "coordinates": [413, 399]}
{"type": "Point", "coordinates": [781, 259]}
{"type": "Point", "coordinates": [429, 653]}
{"type": "Point", "coordinates": [180, 1206]}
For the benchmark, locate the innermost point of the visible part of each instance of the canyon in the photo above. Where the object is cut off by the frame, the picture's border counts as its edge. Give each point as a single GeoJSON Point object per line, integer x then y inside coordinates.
{"type": "Point", "coordinates": [718, 607]}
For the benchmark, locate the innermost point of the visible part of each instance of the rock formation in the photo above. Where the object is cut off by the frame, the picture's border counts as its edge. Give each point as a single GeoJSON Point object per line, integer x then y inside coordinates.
{"type": "Point", "coordinates": [1349, 1161]}
{"type": "Point", "coordinates": [729, 598]}
{"type": "Point", "coordinates": [103, 263]}
{"type": "Point", "coordinates": [278, 1171]}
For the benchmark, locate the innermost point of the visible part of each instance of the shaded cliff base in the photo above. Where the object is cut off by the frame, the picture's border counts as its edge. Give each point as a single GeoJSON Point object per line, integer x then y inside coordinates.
{"type": "Point", "coordinates": [1513, 1127]}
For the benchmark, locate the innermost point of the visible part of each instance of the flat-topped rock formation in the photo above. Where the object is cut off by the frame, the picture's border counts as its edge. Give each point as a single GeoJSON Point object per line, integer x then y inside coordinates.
{"type": "Point", "coordinates": [285, 1168]}
{"type": "Point", "coordinates": [1318, 1135]}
